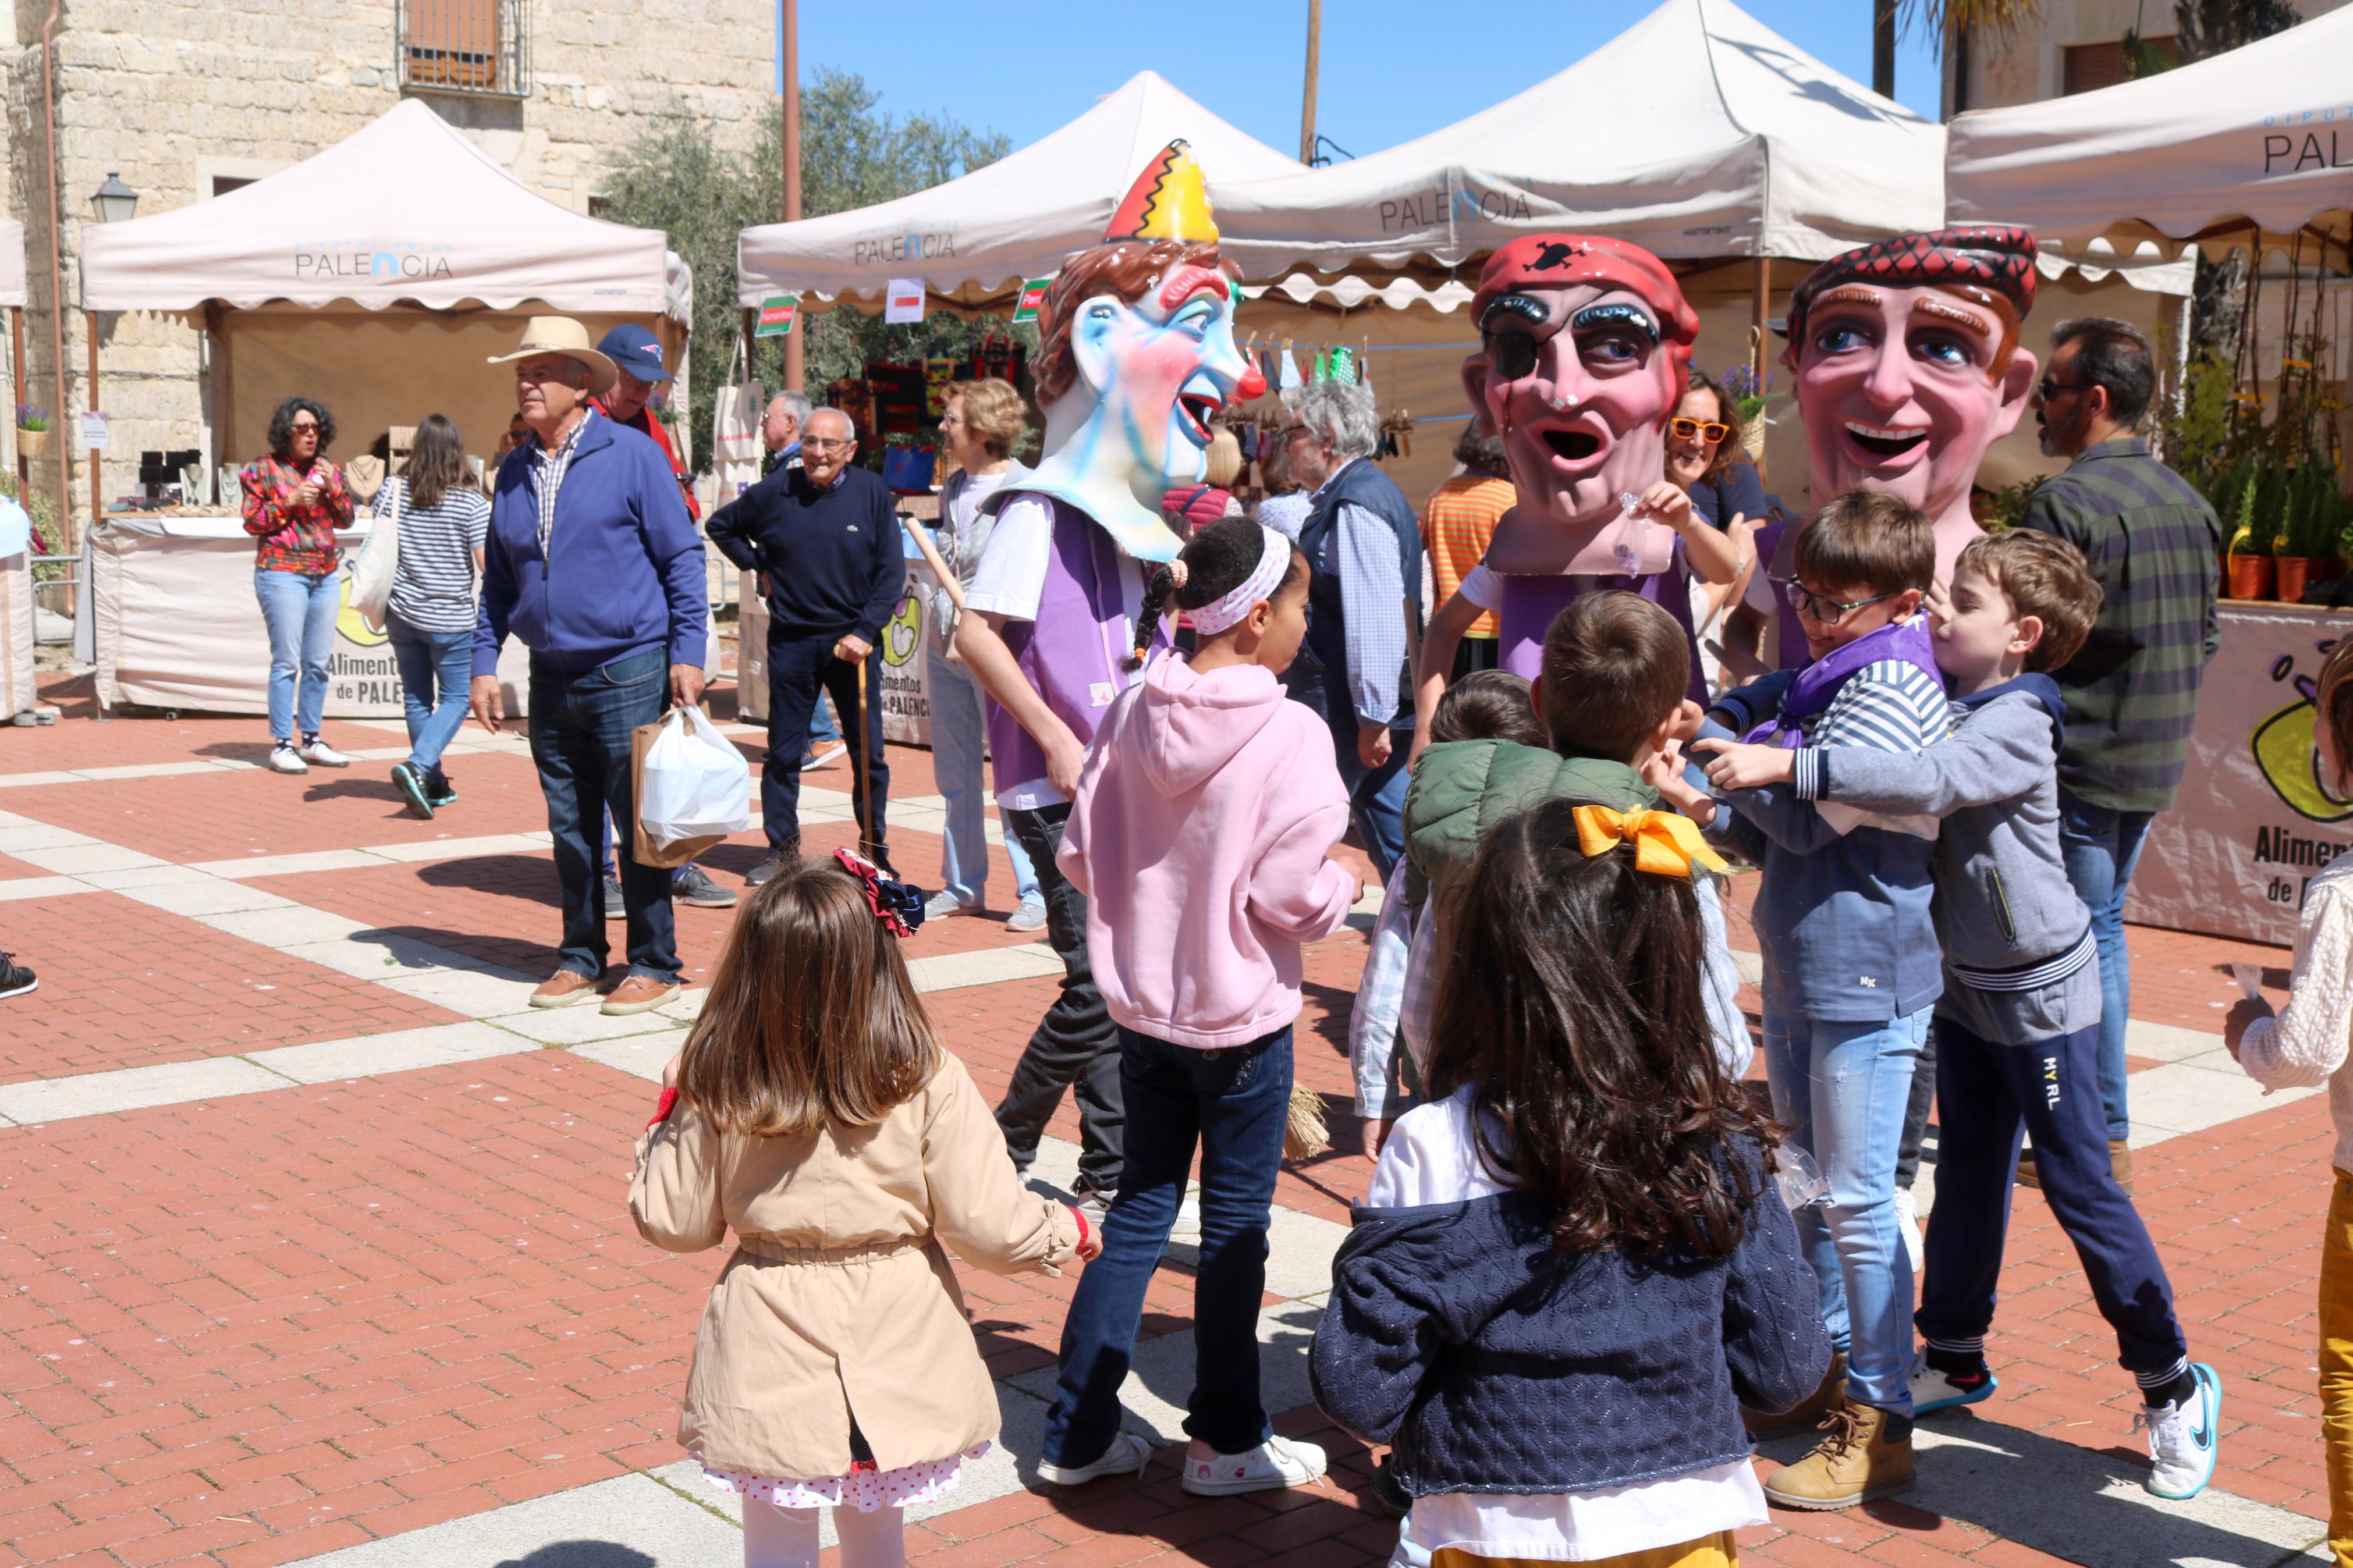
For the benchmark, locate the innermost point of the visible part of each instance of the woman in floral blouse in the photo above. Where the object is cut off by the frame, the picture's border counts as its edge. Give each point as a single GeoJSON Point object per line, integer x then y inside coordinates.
{"type": "Point", "coordinates": [294, 502]}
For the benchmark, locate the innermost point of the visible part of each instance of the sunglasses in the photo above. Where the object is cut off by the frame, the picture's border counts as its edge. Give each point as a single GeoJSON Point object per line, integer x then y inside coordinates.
{"type": "Point", "coordinates": [1821, 607]}
{"type": "Point", "coordinates": [2049, 389]}
{"type": "Point", "coordinates": [1708, 430]}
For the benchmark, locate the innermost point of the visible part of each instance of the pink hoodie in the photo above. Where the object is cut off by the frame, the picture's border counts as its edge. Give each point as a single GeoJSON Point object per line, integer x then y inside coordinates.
{"type": "Point", "coordinates": [1199, 834]}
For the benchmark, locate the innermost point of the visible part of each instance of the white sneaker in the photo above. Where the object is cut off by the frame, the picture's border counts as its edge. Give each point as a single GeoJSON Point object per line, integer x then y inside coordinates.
{"type": "Point", "coordinates": [1277, 1463]}
{"type": "Point", "coordinates": [1188, 1219]}
{"type": "Point", "coordinates": [1932, 1391]}
{"type": "Point", "coordinates": [1907, 1211]}
{"type": "Point", "coordinates": [1128, 1455]}
{"type": "Point", "coordinates": [944, 905]}
{"type": "Point", "coordinates": [1030, 914]}
{"type": "Point", "coordinates": [2185, 1439]}
{"type": "Point", "coordinates": [319, 753]}
{"type": "Point", "coordinates": [284, 759]}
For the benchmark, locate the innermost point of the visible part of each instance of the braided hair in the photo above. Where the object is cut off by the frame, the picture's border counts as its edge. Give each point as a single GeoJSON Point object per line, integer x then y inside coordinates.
{"type": "Point", "coordinates": [1213, 563]}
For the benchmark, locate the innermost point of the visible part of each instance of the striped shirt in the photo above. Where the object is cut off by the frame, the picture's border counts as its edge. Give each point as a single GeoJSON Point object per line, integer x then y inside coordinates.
{"type": "Point", "coordinates": [2132, 692]}
{"type": "Point", "coordinates": [1457, 522]}
{"type": "Point", "coordinates": [433, 575]}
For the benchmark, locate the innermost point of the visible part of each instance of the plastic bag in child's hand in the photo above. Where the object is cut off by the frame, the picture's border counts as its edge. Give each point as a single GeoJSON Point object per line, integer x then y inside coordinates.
{"type": "Point", "coordinates": [1801, 1181]}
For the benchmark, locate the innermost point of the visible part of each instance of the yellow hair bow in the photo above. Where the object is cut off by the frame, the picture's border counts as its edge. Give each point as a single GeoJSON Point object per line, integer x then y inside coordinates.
{"type": "Point", "coordinates": [1665, 843]}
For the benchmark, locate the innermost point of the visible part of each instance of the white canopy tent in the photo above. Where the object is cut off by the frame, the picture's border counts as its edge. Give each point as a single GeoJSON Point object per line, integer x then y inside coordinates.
{"type": "Point", "coordinates": [974, 239]}
{"type": "Point", "coordinates": [2257, 139]}
{"type": "Point", "coordinates": [379, 275]}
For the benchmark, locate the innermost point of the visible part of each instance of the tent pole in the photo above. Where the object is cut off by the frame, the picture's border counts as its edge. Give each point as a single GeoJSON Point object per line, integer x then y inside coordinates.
{"type": "Point", "coordinates": [789, 22]}
{"type": "Point", "coordinates": [97, 508]}
{"type": "Point", "coordinates": [17, 395]}
{"type": "Point", "coordinates": [1760, 302]}
{"type": "Point", "coordinates": [1307, 97]}
{"type": "Point", "coordinates": [223, 395]}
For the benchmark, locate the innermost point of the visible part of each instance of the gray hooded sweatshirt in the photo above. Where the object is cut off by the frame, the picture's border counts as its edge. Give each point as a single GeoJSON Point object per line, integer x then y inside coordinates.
{"type": "Point", "coordinates": [2019, 960]}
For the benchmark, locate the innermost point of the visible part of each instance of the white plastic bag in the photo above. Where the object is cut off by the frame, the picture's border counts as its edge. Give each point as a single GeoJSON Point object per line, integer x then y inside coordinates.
{"type": "Point", "coordinates": [372, 573]}
{"type": "Point", "coordinates": [696, 784]}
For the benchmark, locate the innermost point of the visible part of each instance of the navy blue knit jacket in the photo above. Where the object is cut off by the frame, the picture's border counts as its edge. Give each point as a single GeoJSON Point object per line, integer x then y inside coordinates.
{"type": "Point", "coordinates": [1492, 1362]}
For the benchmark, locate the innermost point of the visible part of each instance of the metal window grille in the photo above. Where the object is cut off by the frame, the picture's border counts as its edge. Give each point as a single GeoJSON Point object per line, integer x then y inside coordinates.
{"type": "Point", "coordinates": [465, 46]}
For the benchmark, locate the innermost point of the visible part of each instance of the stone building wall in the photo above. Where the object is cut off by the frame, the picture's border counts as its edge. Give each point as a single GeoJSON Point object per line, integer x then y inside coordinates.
{"type": "Point", "coordinates": [174, 96]}
{"type": "Point", "coordinates": [2028, 64]}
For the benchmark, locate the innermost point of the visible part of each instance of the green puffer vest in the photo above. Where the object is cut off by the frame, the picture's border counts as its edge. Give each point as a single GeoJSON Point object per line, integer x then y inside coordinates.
{"type": "Point", "coordinates": [1462, 789]}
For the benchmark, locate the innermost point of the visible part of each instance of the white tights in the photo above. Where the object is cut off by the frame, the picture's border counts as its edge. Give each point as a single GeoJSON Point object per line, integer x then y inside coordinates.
{"type": "Point", "coordinates": [786, 1537]}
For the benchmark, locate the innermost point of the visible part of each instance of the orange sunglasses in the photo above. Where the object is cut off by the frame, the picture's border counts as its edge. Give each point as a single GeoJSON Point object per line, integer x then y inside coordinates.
{"type": "Point", "coordinates": [1685, 429]}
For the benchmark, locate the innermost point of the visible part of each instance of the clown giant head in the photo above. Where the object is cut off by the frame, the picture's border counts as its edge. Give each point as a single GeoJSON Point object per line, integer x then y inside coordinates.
{"type": "Point", "coordinates": [1908, 367]}
{"type": "Point", "coordinates": [1136, 355]}
{"type": "Point", "coordinates": [1585, 347]}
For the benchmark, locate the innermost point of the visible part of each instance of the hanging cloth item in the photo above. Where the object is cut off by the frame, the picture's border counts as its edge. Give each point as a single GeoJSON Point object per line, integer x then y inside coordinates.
{"type": "Point", "coordinates": [1289, 376]}
{"type": "Point", "coordinates": [1344, 366]}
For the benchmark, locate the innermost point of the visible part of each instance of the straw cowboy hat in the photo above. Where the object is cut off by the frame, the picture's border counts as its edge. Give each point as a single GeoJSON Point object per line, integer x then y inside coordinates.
{"type": "Point", "coordinates": [563, 335]}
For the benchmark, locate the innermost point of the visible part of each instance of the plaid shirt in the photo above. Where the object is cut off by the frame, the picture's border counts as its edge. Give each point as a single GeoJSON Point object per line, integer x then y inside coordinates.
{"type": "Point", "coordinates": [294, 538]}
{"type": "Point", "coordinates": [2132, 692]}
{"type": "Point", "coordinates": [547, 471]}
{"type": "Point", "coordinates": [1457, 522]}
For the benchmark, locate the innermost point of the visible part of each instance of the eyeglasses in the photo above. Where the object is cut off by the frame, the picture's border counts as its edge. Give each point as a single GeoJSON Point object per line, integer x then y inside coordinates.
{"type": "Point", "coordinates": [309, 425]}
{"type": "Point", "coordinates": [1708, 430]}
{"type": "Point", "coordinates": [1292, 432]}
{"type": "Point", "coordinates": [1821, 607]}
{"type": "Point", "coordinates": [820, 444]}
{"type": "Point", "coordinates": [2048, 389]}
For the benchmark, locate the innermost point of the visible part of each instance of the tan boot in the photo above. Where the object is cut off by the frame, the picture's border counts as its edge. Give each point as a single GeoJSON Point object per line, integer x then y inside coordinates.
{"type": "Point", "coordinates": [2120, 1162]}
{"type": "Point", "coordinates": [1867, 1455]}
{"type": "Point", "coordinates": [1809, 1412]}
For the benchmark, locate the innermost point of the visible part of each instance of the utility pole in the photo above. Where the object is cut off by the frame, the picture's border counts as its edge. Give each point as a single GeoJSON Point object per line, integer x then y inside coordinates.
{"type": "Point", "coordinates": [790, 26]}
{"type": "Point", "coordinates": [1882, 47]}
{"type": "Point", "coordinates": [1307, 99]}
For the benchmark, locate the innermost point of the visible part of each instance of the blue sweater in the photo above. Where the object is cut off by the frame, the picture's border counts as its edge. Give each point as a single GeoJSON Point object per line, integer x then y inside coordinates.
{"type": "Point", "coordinates": [626, 573]}
{"type": "Point", "coordinates": [1494, 1362]}
{"type": "Point", "coordinates": [833, 556]}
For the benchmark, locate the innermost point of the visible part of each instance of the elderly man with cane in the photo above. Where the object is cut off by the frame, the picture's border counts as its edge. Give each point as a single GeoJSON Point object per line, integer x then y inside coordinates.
{"type": "Point", "coordinates": [594, 564]}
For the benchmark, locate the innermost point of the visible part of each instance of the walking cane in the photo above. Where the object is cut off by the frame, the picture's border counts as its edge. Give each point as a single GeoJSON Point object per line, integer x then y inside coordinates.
{"type": "Point", "coordinates": [864, 789]}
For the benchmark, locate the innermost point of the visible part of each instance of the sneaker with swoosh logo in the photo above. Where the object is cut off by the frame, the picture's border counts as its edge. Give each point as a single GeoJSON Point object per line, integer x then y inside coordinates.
{"type": "Point", "coordinates": [2185, 1439]}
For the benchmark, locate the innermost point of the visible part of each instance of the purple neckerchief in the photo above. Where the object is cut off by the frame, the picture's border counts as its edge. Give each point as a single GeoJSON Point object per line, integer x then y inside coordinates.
{"type": "Point", "coordinates": [1906, 641]}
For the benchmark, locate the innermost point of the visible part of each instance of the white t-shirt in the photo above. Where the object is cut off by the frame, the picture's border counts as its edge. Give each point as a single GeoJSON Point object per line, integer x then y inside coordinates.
{"type": "Point", "coordinates": [1011, 579]}
{"type": "Point", "coordinates": [1433, 1158]}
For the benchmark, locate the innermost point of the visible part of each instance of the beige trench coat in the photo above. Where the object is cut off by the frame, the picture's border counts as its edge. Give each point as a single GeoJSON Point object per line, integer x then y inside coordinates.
{"type": "Point", "coordinates": [840, 1299]}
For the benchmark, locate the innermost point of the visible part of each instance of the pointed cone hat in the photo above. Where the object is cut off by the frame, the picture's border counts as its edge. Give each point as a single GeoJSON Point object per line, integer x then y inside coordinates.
{"type": "Point", "coordinates": [1168, 201]}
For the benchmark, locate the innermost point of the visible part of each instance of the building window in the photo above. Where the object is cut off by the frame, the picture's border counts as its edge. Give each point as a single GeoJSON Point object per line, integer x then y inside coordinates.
{"type": "Point", "coordinates": [2090, 67]}
{"type": "Point", "coordinates": [466, 46]}
{"type": "Point", "coordinates": [224, 183]}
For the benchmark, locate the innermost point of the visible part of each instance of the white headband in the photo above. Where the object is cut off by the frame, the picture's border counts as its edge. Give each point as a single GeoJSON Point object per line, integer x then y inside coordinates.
{"type": "Point", "coordinates": [1273, 565]}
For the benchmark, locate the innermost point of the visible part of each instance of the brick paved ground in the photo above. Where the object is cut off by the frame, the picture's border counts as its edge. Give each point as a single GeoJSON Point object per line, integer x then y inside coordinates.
{"type": "Point", "coordinates": [247, 1331]}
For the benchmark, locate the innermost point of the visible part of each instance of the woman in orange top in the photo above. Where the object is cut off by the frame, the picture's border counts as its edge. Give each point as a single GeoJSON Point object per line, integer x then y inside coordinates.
{"type": "Point", "coordinates": [1457, 522]}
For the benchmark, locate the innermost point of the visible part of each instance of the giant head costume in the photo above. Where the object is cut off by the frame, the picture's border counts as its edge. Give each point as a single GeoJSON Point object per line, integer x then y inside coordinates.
{"type": "Point", "coordinates": [1136, 354]}
{"type": "Point", "coordinates": [1908, 366]}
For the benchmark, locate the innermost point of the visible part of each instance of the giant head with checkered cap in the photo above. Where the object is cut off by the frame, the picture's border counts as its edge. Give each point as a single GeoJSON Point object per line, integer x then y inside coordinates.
{"type": "Point", "coordinates": [1908, 366]}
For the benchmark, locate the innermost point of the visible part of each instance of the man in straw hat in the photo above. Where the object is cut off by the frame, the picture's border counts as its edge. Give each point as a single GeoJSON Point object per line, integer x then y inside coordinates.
{"type": "Point", "coordinates": [593, 562]}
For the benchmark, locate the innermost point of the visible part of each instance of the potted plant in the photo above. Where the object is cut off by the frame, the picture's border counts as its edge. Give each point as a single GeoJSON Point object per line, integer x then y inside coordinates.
{"type": "Point", "coordinates": [32, 431]}
{"type": "Point", "coordinates": [1749, 394]}
{"type": "Point", "coordinates": [2252, 571]}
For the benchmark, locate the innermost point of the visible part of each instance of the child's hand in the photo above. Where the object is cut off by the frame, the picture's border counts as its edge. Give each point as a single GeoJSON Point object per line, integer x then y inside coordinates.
{"type": "Point", "coordinates": [2240, 1019]}
{"type": "Point", "coordinates": [1089, 1247]}
{"type": "Point", "coordinates": [670, 1068]}
{"type": "Point", "coordinates": [1938, 602]}
{"type": "Point", "coordinates": [1737, 766]}
{"type": "Point", "coordinates": [1663, 772]}
{"type": "Point", "coordinates": [1374, 1133]}
{"type": "Point", "coordinates": [1689, 716]}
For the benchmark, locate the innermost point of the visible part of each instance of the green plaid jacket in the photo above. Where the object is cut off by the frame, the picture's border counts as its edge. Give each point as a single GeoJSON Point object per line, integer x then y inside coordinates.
{"type": "Point", "coordinates": [2132, 691]}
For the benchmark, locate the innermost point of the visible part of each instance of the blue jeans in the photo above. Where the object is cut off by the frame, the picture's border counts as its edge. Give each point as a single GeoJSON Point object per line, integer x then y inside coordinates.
{"type": "Point", "coordinates": [1233, 1103]}
{"type": "Point", "coordinates": [801, 670]}
{"type": "Point", "coordinates": [955, 702]}
{"type": "Point", "coordinates": [821, 729]}
{"type": "Point", "coordinates": [1375, 795]}
{"type": "Point", "coordinates": [436, 681]}
{"type": "Point", "coordinates": [1842, 1087]}
{"type": "Point", "coordinates": [580, 728]}
{"type": "Point", "coordinates": [298, 608]}
{"type": "Point", "coordinates": [2101, 847]}
{"type": "Point", "coordinates": [1988, 1094]}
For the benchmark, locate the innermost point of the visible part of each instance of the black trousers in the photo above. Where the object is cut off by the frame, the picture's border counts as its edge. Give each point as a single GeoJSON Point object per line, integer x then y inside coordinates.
{"type": "Point", "coordinates": [801, 670]}
{"type": "Point", "coordinates": [1076, 1046]}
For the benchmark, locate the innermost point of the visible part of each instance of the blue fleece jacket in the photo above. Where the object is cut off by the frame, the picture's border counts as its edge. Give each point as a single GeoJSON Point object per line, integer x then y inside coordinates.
{"type": "Point", "coordinates": [624, 569]}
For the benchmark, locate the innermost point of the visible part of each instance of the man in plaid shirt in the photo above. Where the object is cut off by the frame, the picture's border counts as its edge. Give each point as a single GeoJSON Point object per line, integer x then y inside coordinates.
{"type": "Point", "coordinates": [2132, 692]}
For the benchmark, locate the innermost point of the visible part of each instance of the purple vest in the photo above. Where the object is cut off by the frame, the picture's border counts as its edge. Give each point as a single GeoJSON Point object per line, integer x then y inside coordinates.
{"type": "Point", "coordinates": [1788, 651]}
{"type": "Point", "coordinates": [1072, 654]}
{"type": "Point", "coordinates": [1530, 603]}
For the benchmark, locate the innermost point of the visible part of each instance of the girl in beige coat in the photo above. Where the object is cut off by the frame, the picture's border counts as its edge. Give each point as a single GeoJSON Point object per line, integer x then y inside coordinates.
{"type": "Point", "coordinates": [816, 1116]}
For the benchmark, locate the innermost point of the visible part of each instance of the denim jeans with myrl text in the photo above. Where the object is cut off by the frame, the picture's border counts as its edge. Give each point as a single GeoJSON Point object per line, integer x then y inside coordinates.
{"type": "Point", "coordinates": [580, 728]}
{"type": "Point", "coordinates": [1233, 1103]}
{"type": "Point", "coordinates": [1841, 1087]}
{"type": "Point", "coordinates": [298, 608]}
{"type": "Point", "coordinates": [954, 701]}
{"type": "Point", "coordinates": [2101, 847]}
{"type": "Point", "coordinates": [436, 672]}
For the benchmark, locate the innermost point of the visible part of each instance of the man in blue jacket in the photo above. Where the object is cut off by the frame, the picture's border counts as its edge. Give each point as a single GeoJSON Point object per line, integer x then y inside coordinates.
{"type": "Point", "coordinates": [594, 564]}
{"type": "Point", "coordinates": [825, 537]}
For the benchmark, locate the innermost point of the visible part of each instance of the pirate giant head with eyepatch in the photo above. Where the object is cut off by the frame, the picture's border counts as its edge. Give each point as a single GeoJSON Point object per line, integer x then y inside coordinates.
{"type": "Point", "coordinates": [1908, 366]}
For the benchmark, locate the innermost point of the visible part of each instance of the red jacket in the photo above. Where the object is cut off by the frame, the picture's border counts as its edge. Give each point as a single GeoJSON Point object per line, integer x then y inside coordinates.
{"type": "Point", "coordinates": [646, 424]}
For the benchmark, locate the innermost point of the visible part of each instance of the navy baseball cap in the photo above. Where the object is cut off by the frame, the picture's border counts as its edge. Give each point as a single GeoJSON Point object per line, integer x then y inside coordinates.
{"type": "Point", "coordinates": [636, 351]}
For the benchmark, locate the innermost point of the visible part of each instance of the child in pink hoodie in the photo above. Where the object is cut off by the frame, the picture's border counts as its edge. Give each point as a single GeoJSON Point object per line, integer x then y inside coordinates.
{"type": "Point", "coordinates": [1199, 834]}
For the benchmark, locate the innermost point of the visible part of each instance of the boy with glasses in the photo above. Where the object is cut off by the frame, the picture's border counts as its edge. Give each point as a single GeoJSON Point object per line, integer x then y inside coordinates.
{"type": "Point", "coordinates": [1851, 965]}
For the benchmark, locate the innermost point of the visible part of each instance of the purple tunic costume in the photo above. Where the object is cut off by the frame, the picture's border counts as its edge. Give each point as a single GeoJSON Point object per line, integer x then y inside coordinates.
{"type": "Point", "coordinates": [1530, 604]}
{"type": "Point", "coordinates": [1073, 653]}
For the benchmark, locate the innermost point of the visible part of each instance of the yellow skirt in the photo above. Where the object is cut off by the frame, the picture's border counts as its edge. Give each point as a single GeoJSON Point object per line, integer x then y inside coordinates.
{"type": "Point", "coordinates": [1713, 1552]}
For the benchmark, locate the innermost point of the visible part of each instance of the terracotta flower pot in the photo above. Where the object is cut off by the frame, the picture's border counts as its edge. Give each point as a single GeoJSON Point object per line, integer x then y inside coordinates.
{"type": "Point", "coordinates": [2252, 576]}
{"type": "Point", "coordinates": [32, 443]}
{"type": "Point", "coordinates": [2328, 569]}
{"type": "Point", "coordinates": [2293, 573]}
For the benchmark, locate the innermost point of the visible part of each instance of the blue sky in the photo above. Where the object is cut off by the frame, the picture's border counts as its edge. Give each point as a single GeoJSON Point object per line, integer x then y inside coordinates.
{"type": "Point", "coordinates": [1391, 69]}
